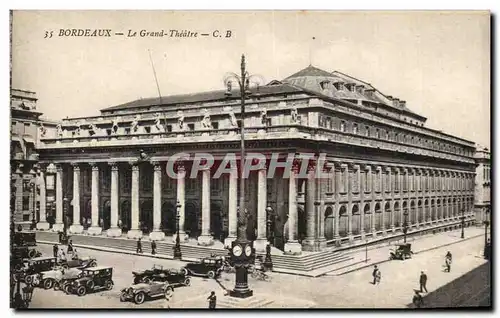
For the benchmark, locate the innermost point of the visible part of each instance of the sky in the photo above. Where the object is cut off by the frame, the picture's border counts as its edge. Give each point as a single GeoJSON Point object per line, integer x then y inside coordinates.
{"type": "Point", "coordinates": [439, 62]}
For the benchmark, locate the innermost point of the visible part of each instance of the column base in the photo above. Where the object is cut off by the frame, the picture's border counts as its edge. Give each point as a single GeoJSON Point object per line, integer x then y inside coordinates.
{"type": "Point", "coordinates": [309, 245]}
{"type": "Point", "coordinates": [94, 230]}
{"type": "Point", "coordinates": [114, 232]}
{"type": "Point", "coordinates": [183, 237]}
{"type": "Point", "coordinates": [43, 226]}
{"type": "Point", "coordinates": [205, 240]}
{"type": "Point", "coordinates": [293, 248]}
{"type": "Point", "coordinates": [260, 245]}
{"type": "Point", "coordinates": [228, 241]}
{"type": "Point", "coordinates": [321, 244]}
{"type": "Point", "coordinates": [76, 229]}
{"type": "Point", "coordinates": [58, 227]}
{"type": "Point", "coordinates": [134, 234]}
{"type": "Point", "coordinates": [156, 236]}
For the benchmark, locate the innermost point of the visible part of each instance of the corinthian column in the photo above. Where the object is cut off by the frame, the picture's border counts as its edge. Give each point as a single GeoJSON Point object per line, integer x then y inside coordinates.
{"type": "Point", "coordinates": [181, 182]}
{"type": "Point", "coordinates": [42, 224]}
{"type": "Point", "coordinates": [114, 230]}
{"type": "Point", "coordinates": [59, 226]}
{"type": "Point", "coordinates": [76, 227]}
{"type": "Point", "coordinates": [157, 234]}
{"type": "Point", "coordinates": [233, 203]}
{"type": "Point", "coordinates": [292, 246]}
{"type": "Point", "coordinates": [134, 232]}
{"type": "Point", "coordinates": [261, 242]}
{"type": "Point", "coordinates": [95, 229]}
{"type": "Point", "coordinates": [205, 238]}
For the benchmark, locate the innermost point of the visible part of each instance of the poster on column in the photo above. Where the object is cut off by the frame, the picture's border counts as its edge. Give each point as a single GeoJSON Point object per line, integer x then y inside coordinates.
{"type": "Point", "coordinates": [123, 102]}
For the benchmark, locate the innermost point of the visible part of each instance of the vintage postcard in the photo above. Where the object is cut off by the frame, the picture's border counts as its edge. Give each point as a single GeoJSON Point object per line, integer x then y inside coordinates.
{"type": "Point", "coordinates": [239, 159]}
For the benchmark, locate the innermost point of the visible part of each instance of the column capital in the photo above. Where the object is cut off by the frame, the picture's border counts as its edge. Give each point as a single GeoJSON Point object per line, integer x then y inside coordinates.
{"type": "Point", "coordinates": [180, 166]}
{"type": "Point", "coordinates": [75, 165]}
{"type": "Point", "coordinates": [344, 166]}
{"type": "Point", "coordinates": [94, 166]}
{"type": "Point", "coordinates": [296, 165]}
{"type": "Point", "coordinates": [378, 168]}
{"type": "Point", "coordinates": [59, 166]}
{"type": "Point", "coordinates": [134, 165]}
{"type": "Point", "coordinates": [367, 167]}
{"type": "Point", "coordinates": [156, 165]}
{"type": "Point", "coordinates": [355, 166]}
{"type": "Point", "coordinates": [113, 165]}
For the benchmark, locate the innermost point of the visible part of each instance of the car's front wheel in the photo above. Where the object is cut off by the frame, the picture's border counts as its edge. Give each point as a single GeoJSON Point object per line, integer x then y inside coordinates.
{"type": "Point", "coordinates": [28, 279]}
{"type": "Point", "coordinates": [169, 291]}
{"type": "Point", "coordinates": [81, 291]}
{"type": "Point", "coordinates": [139, 298]}
{"type": "Point", "coordinates": [211, 274]}
{"type": "Point", "coordinates": [66, 289]}
{"type": "Point", "coordinates": [93, 264]}
{"type": "Point", "coordinates": [108, 285]}
{"type": "Point", "coordinates": [48, 283]}
{"type": "Point", "coordinates": [184, 271]}
{"type": "Point", "coordinates": [187, 281]}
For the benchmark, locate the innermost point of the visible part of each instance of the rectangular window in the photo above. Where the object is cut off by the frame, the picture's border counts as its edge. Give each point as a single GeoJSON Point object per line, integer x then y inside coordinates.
{"type": "Point", "coordinates": [367, 131]}
{"type": "Point", "coordinates": [387, 182]}
{"type": "Point", "coordinates": [127, 179]}
{"type": "Point", "coordinates": [328, 122]}
{"type": "Point", "coordinates": [26, 203]}
{"type": "Point", "coordinates": [191, 126]}
{"type": "Point", "coordinates": [169, 128]}
{"type": "Point", "coordinates": [342, 126]}
{"type": "Point", "coordinates": [377, 133]}
{"type": "Point", "coordinates": [269, 122]}
{"type": "Point", "coordinates": [147, 129]}
{"type": "Point", "coordinates": [354, 175]}
{"type": "Point", "coordinates": [27, 128]}
{"type": "Point", "coordinates": [354, 128]}
{"type": "Point", "coordinates": [215, 125]}
{"type": "Point", "coordinates": [127, 131]}
{"type": "Point", "coordinates": [396, 182]}
{"type": "Point", "coordinates": [26, 217]}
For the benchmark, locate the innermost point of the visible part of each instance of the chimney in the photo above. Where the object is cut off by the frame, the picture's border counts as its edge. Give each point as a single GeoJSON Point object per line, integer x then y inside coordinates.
{"type": "Point", "coordinates": [402, 103]}
{"type": "Point", "coordinates": [395, 102]}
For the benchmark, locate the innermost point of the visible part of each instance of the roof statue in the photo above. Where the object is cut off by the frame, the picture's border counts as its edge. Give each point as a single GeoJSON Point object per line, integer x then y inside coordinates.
{"type": "Point", "coordinates": [232, 119]}
{"type": "Point", "coordinates": [180, 120]}
{"type": "Point", "coordinates": [114, 128]}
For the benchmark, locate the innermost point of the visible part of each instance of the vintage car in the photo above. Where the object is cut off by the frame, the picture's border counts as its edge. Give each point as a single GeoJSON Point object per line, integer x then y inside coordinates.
{"type": "Point", "coordinates": [82, 262]}
{"type": "Point", "coordinates": [91, 279]}
{"type": "Point", "coordinates": [146, 275]}
{"type": "Point", "coordinates": [22, 252]}
{"type": "Point", "coordinates": [25, 238]}
{"type": "Point", "coordinates": [142, 291]}
{"type": "Point", "coordinates": [402, 252]}
{"type": "Point", "coordinates": [53, 278]}
{"type": "Point", "coordinates": [173, 276]}
{"type": "Point", "coordinates": [208, 267]}
{"type": "Point", "coordinates": [35, 266]}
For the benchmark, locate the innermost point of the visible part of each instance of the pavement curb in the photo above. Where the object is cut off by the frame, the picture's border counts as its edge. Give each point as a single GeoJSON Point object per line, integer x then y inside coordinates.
{"type": "Point", "coordinates": [421, 251]}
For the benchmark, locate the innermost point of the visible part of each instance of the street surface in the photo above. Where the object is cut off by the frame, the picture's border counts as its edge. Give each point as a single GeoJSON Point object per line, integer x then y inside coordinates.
{"type": "Point", "coordinates": [352, 290]}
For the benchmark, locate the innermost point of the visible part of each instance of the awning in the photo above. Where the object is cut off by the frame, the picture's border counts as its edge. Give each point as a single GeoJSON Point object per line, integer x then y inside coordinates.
{"type": "Point", "coordinates": [29, 139]}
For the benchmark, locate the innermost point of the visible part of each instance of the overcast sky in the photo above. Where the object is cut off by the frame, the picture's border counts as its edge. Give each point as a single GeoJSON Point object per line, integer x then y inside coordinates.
{"type": "Point", "coordinates": [438, 62]}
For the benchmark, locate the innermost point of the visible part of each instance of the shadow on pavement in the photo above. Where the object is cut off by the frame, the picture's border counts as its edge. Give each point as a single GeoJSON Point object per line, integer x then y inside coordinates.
{"type": "Point", "coordinates": [472, 290]}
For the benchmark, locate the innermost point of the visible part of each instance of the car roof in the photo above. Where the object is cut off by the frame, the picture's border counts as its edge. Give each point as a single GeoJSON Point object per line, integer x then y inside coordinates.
{"type": "Point", "coordinates": [98, 268]}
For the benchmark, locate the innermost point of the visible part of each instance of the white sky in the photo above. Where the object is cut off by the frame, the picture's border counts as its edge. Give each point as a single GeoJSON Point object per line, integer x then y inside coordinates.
{"type": "Point", "coordinates": [438, 62]}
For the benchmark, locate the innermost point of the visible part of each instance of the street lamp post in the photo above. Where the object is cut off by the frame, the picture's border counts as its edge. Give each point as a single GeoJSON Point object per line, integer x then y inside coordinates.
{"type": "Point", "coordinates": [463, 223]}
{"type": "Point", "coordinates": [177, 246]}
{"type": "Point", "coordinates": [405, 224]}
{"type": "Point", "coordinates": [64, 237]}
{"type": "Point", "coordinates": [268, 262]}
{"type": "Point", "coordinates": [242, 250]}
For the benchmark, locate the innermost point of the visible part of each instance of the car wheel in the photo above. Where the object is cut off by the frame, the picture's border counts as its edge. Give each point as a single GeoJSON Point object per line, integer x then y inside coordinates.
{"type": "Point", "coordinates": [123, 298]}
{"type": "Point", "coordinates": [169, 291]}
{"type": "Point", "coordinates": [81, 291]}
{"type": "Point", "coordinates": [93, 264]}
{"type": "Point", "coordinates": [90, 285]}
{"type": "Point", "coordinates": [146, 280]}
{"type": "Point", "coordinates": [137, 280]}
{"type": "Point", "coordinates": [211, 274]}
{"type": "Point", "coordinates": [32, 253]}
{"type": "Point", "coordinates": [57, 286]}
{"type": "Point", "coordinates": [109, 285]}
{"type": "Point", "coordinates": [65, 266]}
{"type": "Point", "coordinates": [28, 279]}
{"type": "Point", "coordinates": [184, 271]}
{"type": "Point", "coordinates": [187, 282]}
{"type": "Point", "coordinates": [139, 298]}
{"type": "Point", "coordinates": [65, 288]}
{"type": "Point", "coordinates": [48, 283]}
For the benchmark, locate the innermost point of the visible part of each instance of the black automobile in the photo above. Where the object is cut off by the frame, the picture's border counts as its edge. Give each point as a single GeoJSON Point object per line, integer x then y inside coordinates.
{"type": "Point", "coordinates": [92, 279]}
{"type": "Point", "coordinates": [402, 252]}
{"type": "Point", "coordinates": [83, 262]}
{"type": "Point", "coordinates": [142, 291]}
{"type": "Point", "coordinates": [174, 277]}
{"type": "Point", "coordinates": [146, 275]}
{"type": "Point", "coordinates": [207, 267]}
{"type": "Point", "coordinates": [25, 238]}
{"type": "Point", "coordinates": [33, 267]}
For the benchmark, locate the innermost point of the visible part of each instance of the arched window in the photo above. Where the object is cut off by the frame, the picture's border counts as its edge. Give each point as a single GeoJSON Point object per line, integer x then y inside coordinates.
{"type": "Point", "coordinates": [367, 131]}
{"type": "Point", "coordinates": [354, 128]}
{"type": "Point", "coordinates": [342, 126]}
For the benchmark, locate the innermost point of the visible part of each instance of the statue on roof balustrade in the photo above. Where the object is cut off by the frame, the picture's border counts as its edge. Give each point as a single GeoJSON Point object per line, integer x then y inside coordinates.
{"type": "Point", "coordinates": [263, 117]}
{"type": "Point", "coordinates": [180, 120]}
{"type": "Point", "coordinates": [78, 129]}
{"type": "Point", "coordinates": [59, 130]}
{"type": "Point", "coordinates": [206, 123]}
{"type": "Point", "coordinates": [43, 130]}
{"type": "Point", "coordinates": [232, 119]}
{"type": "Point", "coordinates": [134, 127]}
{"type": "Point", "coordinates": [93, 130]}
{"type": "Point", "coordinates": [114, 127]}
{"type": "Point", "coordinates": [295, 116]}
{"type": "Point", "coordinates": [158, 125]}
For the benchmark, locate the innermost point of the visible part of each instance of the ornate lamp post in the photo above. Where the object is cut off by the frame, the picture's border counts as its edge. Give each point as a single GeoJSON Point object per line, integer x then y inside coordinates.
{"type": "Point", "coordinates": [33, 191]}
{"type": "Point", "coordinates": [177, 246]}
{"type": "Point", "coordinates": [486, 224]}
{"type": "Point", "coordinates": [242, 251]}
{"type": "Point", "coordinates": [463, 223]}
{"type": "Point", "coordinates": [405, 224]}
{"type": "Point", "coordinates": [64, 237]}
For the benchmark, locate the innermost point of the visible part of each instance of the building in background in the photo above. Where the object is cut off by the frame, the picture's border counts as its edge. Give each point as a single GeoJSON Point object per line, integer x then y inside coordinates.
{"type": "Point", "coordinates": [387, 171]}
{"type": "Point", "coordinates": [26, 129]}
{"type": "Point", "coordinates": [482, 191]}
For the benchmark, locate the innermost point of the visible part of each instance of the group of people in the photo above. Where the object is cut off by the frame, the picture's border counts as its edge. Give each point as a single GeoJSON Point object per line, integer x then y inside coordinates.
{"type": "Point", "coordinates": [61, 255]}
{"type": "Point", "coordinates": [139, 247]}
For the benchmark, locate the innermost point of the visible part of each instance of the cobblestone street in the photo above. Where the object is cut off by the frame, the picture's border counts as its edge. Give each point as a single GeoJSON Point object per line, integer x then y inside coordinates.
{"type": "Point", "coordinates": [352, 290]}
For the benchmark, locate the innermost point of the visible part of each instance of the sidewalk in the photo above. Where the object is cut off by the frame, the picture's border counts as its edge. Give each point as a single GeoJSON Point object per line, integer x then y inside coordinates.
{"type": "Point", "coordinates": [363, 258]}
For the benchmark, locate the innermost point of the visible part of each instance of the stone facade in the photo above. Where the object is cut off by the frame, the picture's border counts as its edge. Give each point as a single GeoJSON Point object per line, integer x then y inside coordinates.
{"type": "Point", "coordinates": [482, 190]}
{"type": "Point", "coordinates": [380, 159]}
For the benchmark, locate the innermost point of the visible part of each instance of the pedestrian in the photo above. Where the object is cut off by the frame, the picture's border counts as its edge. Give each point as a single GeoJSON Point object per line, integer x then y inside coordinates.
{"type": "Point", "coordinates": [423, 282]}
{"type": "Point", "coordinates": [62, 256]}
{"type": "Point", "coordinates": [212, 300]}
{"type": "Point", "coordinates": [447, 264]}
{"type": "Point", "coordinates": [378, 277]}
{"type": "Point", "coordinates": [139, 246]}
{"type": "Point", "coordinates": [120, 225]}
{"type": "Point", "coordinates": [153, 247]}
{"type": "Point", "coordinates": [418, 301]}
{"type": "Point", "coordinates": [55, 250]}
{"type": "Point", "coordinates": [70, 246]}
{"type": "Point", "coordinates": [374, 274]}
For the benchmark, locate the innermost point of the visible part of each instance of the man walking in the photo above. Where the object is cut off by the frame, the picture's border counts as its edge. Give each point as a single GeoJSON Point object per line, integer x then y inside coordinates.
{"type": "Point", "coordinates": [153, 247]}
{"type": "Point", "coordinates": [375, 274]}
{"type": "Point", "coordinates": [212, 300]}
{"type": "Point", "coordinates": [70, 247]}
{"type": "Point", "coordinates": [418, 301]}
{"type": "Point", "coordinates": [423, 282]}
{"type": "Point", "coordinates": [55, 250]}
{"type": "Point", "coordinates": [139, 246]}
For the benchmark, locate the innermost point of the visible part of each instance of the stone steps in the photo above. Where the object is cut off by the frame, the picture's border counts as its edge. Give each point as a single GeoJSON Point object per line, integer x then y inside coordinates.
{"type": "Point", "coordinates": [251, 302]}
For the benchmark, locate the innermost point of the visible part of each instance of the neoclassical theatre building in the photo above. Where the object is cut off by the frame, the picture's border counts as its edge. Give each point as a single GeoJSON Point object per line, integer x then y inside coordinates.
{"type": "Point", "coordinates": [107, 173]}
